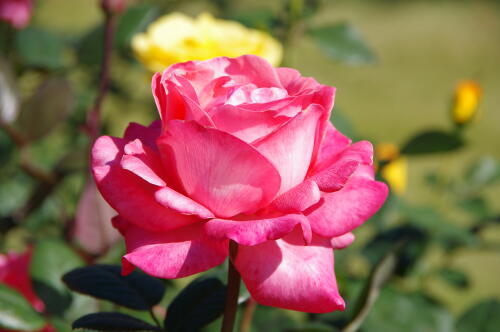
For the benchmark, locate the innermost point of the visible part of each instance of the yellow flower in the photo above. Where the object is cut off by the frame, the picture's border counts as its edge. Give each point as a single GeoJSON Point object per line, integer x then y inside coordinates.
{"type": "Point", "coordinates": [396, 174]}
{"type": "Point", "coordinates": [177, 38]}
{"type": "Point", "coordinates": [394, 167]}
{"type": "Point", "coordinates": [466, 101]}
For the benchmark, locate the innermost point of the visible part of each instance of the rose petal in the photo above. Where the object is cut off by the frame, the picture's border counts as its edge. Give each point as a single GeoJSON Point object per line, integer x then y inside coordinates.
{"type": "Point", "coordinates": [299, 198]}
{"type": "Point", "coordinates": [128, 194]}
{"type": "Point", "coordinates": [143, 162]}
{"type": "Point", "coordinates": [174, 254]}
{"type": "Point", "coordinates": [252, 232]}
{"type": "Point", "coordinates": [148, 135]}
{"type": "Point", "coordinates": [217, 169]}
{"type": "Point", "coordinates": [332, 144]}
{"type": "Point", "coordinates": [180, 203]}
{"type": "Point", "coordinates": [336, 176]}
{"type": "Point", "coordinates": [291, 146]}
{"type": "Point", "coordinates": [342, 241]}
{"type": "Point", "coordinates": [289, 275]}
{"type": "Point", "coordinates": [342, 211]}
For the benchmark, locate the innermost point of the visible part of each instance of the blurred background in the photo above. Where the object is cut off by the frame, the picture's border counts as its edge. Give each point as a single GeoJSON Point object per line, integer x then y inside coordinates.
{"type": "Point", "coordinates": [403, 69]}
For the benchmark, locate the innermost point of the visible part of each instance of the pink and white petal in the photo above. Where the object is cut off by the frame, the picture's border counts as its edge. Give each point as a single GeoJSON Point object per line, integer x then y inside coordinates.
{"type": "Point", "coordinates": [174, 254]}
{"type": "Point", "coordinates": [342, 241]}
{"type": "Point", "coordinates": [246, 125]}
{"type": "Point", "coordinates": [299, 198]}
{"type": "Point", "coordinates": [128, 194]}
{"type": "Point", "coordinates": [148, 135]}
{"type": "Point", "coordinates": [253, 232]}
{"type": "Point", "coordinates": [218, 170]}
{"type": "Point", "coordinates": [252, 69]}
{"type": "Point", "coordinates": [335, 177]}
{"type": "Point", "coordinates": [289, 275]}
{"type": "Point", "coordinates": [180, 203]}
{"type": "Point", "coordinates": [143, 162]}
{"type": "Point", "coordinates": [290, 147]}
{"type": "Point", "coordinates": [293, 82]}
{"type": "Point", "coordinates": [342, 211]}
{"type": "Point", "coordinates": [332, 144]}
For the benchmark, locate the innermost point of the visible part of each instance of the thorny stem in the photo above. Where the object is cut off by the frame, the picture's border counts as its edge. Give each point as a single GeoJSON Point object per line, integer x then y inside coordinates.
{"type": "Point", "coordinates": [233, 290]}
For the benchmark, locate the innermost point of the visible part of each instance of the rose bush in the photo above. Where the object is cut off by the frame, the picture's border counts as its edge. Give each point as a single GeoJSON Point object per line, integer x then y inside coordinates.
{"type": "Point", "coordinates": [243, 152]}
{"type": "Point", "coordinates": [16, 12]}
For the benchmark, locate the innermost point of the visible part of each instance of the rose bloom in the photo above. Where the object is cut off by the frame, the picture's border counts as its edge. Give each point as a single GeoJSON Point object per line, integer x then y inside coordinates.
{"type": "Point", "coordinates": [177, 38]}
{"type": "Point", "coordinates": [14, 272]}
{"type": "Point", "coordinates": [243, 152]}
{"type": "Point", "coordinates": [16, 12]}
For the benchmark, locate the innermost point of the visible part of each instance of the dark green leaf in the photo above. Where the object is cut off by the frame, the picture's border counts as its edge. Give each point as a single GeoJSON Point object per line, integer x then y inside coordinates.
{"type": "Point", "coordinates": [415, 243]}
{"type": "Point", "coordinates": [89, 47]}
{"type": "Point", "coordinates": [432, 142]}
{"type": "Point", "coordinates": [447, 233]}
{"type": "Point", "coordinates": [454, 277]}
{"type": "Point", "coordinates": [201, 302]}
{"type": "Point", "coordinates": [396, 312]}
{"type": "Point", "coordinates": [134, 20]}
{"type": "Point", "coordinates": [39, 48]}
{"type": "Point", "coordinates": [51, 259]}
{"type": "Point", "coordinates": [9, 99]}
{"type": "Point", "coordinates": [135, 291]}
{"type": "Point", "coordinates": [50, 105]}
{"type": "Point", "coordinates": [483, 317]}
{"type": "Point", "coordinates": [476, 206]}
{"type": "Point", "coordinates": [343, 42]}
{"type": "Point", "coordinates": [16, 313]}
{"type": "Point", "coordinates": [112, 321]}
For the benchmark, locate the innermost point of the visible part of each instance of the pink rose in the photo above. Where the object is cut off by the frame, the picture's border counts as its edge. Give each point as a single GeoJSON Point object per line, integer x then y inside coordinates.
{"type": "Point", "coordinates": [243, 152]}
{"type": "Point", "coordinates": [16, 12]}
{"type": "Point", "coordinates": [14, 272]}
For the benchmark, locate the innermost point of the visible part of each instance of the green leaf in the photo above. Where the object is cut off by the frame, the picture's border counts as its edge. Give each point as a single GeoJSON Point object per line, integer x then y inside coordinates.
{"type": "Point", "coordinates": [9, 96]}
{"type": "Point", "coordinates": [313, 327]}
{"type": "Point", "coordinates": [260, 18]}
{"type": "Point", "coordinates": [51, 259]}
{"type": "Point", "coordinates": [16, 313]}
{"type": "Point", "coordinates": [90, 47]}
{"type": "Point", "coordinates": [483, 317]}
{"type": "Point", "coordinates": [201, 302]}
{"type": "Point", "coordinates": [415, 243]}
{"type": "Point", "coordinates": [39, 48]}
{"type": "Point", "coordinates": [454, 277]}
{"type": "Point", "coordinates": [134, 20]}
{"type": "Point", "coordinates": [112, 321]}
{"type": "Point", "coordinates": [447, 233]}
{"type": "Point", "coordinates": [343, 42]}
{"type": "Point", "coordinates": [476, 206]}
{"type": "Point", "coordinates": [432, 142]}
{"type": "Point", "coordinates": [396, 312]}
{"type": "Point", "coordinates": [135, 291]}
{"type": "Point", "coordinates": [50, 105]}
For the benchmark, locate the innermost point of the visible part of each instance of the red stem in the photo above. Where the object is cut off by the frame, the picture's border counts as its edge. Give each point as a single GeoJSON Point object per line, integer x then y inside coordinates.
{"type": "Point", "coordinates": [233, 291]}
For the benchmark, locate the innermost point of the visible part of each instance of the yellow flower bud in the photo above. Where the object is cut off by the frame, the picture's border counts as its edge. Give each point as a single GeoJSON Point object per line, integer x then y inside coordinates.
{"type": "Point", "coordinates": [396, 174]}
{"type": "Point", "coordinates": [466, 101]}
{"type": "Point", "coordinates": [177, 38]}
{"type": "Point", "coordinates": [394, 168]}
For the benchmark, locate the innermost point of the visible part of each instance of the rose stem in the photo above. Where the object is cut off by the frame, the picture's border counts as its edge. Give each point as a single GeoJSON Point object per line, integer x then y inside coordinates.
{"type": "Point", "coordinates": [93, 124]}
{"type": "Point", "coordinates": [246, 320]}
{"type": "Point", "coordinates": [233, 291]}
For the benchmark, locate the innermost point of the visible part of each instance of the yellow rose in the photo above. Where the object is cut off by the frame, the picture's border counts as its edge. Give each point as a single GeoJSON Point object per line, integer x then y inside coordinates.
{"type": "Point", "coordinates": [177, 38]}
{"type": "Point", "coordinates": [466, 101]}
{"type": "Point", "coordinates": [394, 167]}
